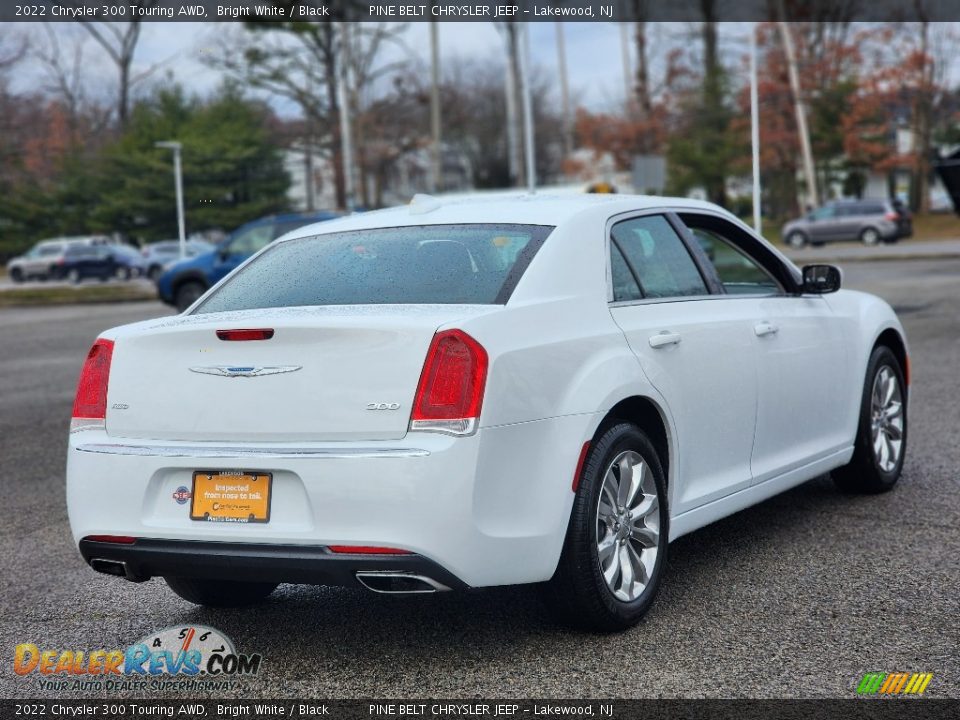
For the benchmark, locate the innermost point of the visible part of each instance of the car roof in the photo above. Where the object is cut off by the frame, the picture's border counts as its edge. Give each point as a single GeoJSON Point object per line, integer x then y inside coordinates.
{"type": "Point", "coordinates": [540, 208]}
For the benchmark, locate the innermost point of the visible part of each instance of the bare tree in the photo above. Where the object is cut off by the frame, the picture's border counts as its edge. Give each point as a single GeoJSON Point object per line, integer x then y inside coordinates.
{"type": "Point", "coordinates": [119, 41]}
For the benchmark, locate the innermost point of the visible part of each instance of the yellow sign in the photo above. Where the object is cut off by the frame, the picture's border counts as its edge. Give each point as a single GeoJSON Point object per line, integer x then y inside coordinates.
{"type": "Point", "coordinates": [231, 496]}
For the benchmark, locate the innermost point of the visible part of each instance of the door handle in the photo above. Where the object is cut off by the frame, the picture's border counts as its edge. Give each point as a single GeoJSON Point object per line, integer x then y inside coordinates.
{"type": "Point", "coordinates": [664, 338]}
{"type": "Point", "coordinates": [765, 328]}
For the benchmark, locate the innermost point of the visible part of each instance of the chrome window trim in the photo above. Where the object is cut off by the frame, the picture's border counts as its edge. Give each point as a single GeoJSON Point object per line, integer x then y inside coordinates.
{"type": "Point", "coordinates": [192, 451]}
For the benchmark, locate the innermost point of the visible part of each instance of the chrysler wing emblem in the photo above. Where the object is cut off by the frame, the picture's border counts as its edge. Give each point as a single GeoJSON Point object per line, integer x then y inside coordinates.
{"type": "Point", "coordinates": [245, 370]}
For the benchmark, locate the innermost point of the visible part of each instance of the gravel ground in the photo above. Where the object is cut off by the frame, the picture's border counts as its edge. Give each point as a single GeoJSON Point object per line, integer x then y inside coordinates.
{"type": "Point", "coordinates": [796, 597]}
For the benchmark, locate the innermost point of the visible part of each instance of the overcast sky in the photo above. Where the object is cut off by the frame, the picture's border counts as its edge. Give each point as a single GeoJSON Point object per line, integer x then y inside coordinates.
{"type": "Point", "coordinates": [593, 54]}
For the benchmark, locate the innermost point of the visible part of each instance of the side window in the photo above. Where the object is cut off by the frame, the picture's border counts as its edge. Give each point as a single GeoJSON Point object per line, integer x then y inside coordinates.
{"type": "Point", "coordinates": [625, 286]}
{"type": "Point", "coordinates": [658, 258]}
{"type": "Point", "coordinates": [738, 272]}
{"type": "Point", "coordinates": [252, 240]}
{"type": "Point", "coordinates": [827, 212]}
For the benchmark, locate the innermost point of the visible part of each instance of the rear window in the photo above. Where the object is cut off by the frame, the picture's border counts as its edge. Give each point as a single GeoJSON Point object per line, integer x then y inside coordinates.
{"type": "Point", "coordinates": [421, 265]}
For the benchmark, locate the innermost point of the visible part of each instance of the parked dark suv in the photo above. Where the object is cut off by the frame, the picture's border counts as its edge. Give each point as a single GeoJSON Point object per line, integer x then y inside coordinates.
{"type": "Point", "coordinates": [182, 284]}
{"type": "Point", "coordinates": [869, 221]}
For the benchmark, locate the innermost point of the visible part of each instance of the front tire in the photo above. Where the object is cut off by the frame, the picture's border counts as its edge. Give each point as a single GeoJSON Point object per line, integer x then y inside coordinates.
{"type": "Point", "coordinates": [16, 274]}
{"type": "Point", "coordinates": [220, 593]}
{"type": "Point", "coordinates": [616, 544]}
{"type": "Point", "coordinates": [187, 294]}
{"type": "Point", "coordinates": [881, 443]}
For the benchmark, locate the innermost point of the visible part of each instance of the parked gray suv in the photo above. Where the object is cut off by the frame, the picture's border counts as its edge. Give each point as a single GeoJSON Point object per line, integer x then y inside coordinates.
{"type": "Point", "coordinates": [869, 221]}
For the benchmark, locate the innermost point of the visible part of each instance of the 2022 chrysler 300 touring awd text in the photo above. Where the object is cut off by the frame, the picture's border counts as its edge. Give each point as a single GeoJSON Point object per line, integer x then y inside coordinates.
{"type": "Point", "coordinates": [479, 392]}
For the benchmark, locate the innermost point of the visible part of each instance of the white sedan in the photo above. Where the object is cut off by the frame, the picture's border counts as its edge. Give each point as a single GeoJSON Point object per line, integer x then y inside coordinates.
{"type": "Point", "coordinates": [479, 392]}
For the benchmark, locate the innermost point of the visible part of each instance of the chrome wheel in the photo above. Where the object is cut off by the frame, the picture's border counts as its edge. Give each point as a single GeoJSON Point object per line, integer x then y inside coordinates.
{"type": "Point", "coordinates": [870, 236]}
{"type": "Point", "coordinates": [886, 419]}
{"type": "Point", "coordinates": [628, 526]}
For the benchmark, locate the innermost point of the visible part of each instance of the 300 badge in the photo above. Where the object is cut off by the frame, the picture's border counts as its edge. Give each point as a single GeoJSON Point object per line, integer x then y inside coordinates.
{"type": "Point", "coordinates": [191, 650]}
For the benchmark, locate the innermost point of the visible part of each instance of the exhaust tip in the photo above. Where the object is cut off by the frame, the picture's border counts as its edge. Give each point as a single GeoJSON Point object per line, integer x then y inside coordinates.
{"type": "Point", "coordinates": [117, 568]}
{"type": "Point", "coordinates": [399, 583]}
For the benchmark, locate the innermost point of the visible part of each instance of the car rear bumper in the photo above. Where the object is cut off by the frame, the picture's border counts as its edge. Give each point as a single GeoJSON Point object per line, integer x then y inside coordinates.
{"type": "Point", "coordinates": [313, 565]}
{"type": "Point", "coordinates": [490, 509]}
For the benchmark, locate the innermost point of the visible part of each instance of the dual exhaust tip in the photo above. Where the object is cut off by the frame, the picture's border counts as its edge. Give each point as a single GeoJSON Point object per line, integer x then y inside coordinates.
{"type": "Point", "coordinates": [379, 581]}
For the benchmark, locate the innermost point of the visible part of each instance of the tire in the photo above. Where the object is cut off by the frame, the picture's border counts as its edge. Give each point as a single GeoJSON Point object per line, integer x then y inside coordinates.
{"type": "Point", "coordinates": [220, 593]}
{"type": "Point", "coordinates": [187, 294]}
{"type": "Point", "coordinates": [870, 236]}
{"type": "Point", "coordinates": [16, 274]}
{"type": "Point", "coordinates": [579, 593]}
{"type": "Point", "coordinates": [155, 272]}
{"type": "Point", "coordinates": [796, 239]}
{"type": "Point", "coordinates": [870, 471]}
{"type": "Point", "coordinates": [73, 275]}
{"type": "Point", "coordinates": [123, 273]}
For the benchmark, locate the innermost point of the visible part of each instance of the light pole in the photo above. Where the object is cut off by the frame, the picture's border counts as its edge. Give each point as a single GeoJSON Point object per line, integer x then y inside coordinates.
{"type": "Point", "coordinates": [178, 180]}
{"type": "Point", "coordinates": [755, 132]}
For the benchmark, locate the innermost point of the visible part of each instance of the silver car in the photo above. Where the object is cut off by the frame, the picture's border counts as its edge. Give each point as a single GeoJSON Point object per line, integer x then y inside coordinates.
{"type": "Point", "coordinates": [869, 221]}
{"type": "Point", "coordinates": [43, 260]}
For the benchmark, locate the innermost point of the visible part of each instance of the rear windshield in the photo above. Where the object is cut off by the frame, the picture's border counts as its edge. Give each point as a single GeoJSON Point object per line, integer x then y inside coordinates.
{"type": "Point", "coordinates": [421, 265]}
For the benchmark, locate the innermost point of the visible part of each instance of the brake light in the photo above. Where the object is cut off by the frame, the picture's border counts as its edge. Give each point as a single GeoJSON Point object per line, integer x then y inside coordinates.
{"type": "Point", "coordinates": [451, 387]}
{"type": "Point", "coordinates": [891, 216]}
{"type": "Point", "coordinates": [90, 404]}
{"type": "Point", "coordinates": [260, 334]}
{"type": "Point", "coordinates": [366, 550]}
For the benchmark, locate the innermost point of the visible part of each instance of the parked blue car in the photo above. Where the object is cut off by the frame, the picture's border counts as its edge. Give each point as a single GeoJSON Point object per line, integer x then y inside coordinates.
{"type": "Point", "coordinates": [184, 282]}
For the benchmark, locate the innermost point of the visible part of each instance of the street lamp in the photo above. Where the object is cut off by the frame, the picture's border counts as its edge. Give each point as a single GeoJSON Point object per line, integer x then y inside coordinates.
{"type": "Point", "coordinates": [178, 180]}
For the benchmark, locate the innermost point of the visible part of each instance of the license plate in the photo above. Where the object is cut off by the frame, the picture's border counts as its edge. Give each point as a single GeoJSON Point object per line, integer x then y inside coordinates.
{"type": "Point", "coordinates": [231, 496]}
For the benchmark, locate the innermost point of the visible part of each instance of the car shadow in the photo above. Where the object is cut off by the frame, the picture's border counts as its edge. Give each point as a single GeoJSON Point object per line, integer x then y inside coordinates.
{"type": "Point", "coordinates": [356, 626]}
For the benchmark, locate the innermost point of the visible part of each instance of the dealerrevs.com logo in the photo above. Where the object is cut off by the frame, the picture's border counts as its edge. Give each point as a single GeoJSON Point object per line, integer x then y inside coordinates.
{"type": "Point", "coordinates": [899, 683]}
{"type": "Point", "coordinates": [191, 657]}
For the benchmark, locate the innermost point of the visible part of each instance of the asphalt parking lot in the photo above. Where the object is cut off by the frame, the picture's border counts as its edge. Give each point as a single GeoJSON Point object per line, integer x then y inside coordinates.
{"type": "Point", "coordinates": [797, 597]}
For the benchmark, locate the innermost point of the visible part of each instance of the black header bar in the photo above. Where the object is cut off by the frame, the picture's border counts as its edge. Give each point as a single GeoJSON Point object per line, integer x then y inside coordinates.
{"type": "Point", "coordinates": [476, 10]}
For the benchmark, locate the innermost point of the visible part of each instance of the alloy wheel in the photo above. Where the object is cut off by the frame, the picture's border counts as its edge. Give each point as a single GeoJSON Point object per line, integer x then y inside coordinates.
{"type": "Point", "coordinates": [886, 419]}
{"type": "Point", "coordinates": [628, 526]}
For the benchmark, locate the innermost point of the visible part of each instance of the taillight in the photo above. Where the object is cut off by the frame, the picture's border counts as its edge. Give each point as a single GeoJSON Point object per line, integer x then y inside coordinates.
{"type": "Point", "coordinates": [451, 386]}
{"type": "Point", "coordinates": [116, 539]}
{"type": "Point", "coordinates": [90, 404]}
{"type": "Point", "coordinates": [891, 216]}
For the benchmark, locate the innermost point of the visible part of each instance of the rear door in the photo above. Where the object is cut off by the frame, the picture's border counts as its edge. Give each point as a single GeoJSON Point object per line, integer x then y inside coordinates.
{"type": "Point", "coordinates": [696, 349]}
{"type": "Point", "coordinates": [798, 347]}
{"type": "Point", "coordinates": [247, 241]}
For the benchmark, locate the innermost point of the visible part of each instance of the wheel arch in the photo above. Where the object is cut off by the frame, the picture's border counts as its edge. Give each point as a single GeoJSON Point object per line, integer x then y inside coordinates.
{"type": "Point", "coordinates": [650, 417]}
{"type": "Point", "coordinates": [898, 346]}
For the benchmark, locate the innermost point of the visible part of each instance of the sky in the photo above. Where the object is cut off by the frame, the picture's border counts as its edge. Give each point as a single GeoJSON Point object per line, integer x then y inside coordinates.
{"type": "Point", "coordinates": [594, 59]}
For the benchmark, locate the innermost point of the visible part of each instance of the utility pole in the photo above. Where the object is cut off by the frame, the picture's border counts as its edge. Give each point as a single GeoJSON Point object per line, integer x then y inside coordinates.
{"type": "Point", "coordinates": [800, 110]}
{"type": "Point", "coordinates": [346, 136]}
{"type": "Point", "coordinates": [627, 66]}
{"type": "Point", "coordinates": [436, 166]}
{"type": "Point", "coordinates": [530, 169]}
{"type": "Point", "coordinates": [178, 184]}
{"type": "Point", "coordinates": [514, 88]}
{"type": "Point", "coordinates": [567, 121]}
{"type": "Point", "coordinates": [755, 131]}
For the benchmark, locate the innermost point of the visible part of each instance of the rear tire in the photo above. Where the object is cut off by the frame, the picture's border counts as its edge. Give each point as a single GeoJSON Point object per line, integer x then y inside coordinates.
{"type": "Point", "coordinates": [616, 544]}
{"type": "Point", "coordinates": [870, 236]}
{"type": "Point", "coordinates": [796, 239]}
{"type": "Point", "coordinates": [220, 593]}
{"type": "Point", "coordinates": [881, 442]}
{"type": "Point", "coordinates": [73, 276]}
{"type": "Point", "coordinates": [187, 294]}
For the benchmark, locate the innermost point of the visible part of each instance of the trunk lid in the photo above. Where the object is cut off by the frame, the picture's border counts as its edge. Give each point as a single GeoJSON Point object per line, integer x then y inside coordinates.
{"type": "Point", "coordinates": [327, 374]}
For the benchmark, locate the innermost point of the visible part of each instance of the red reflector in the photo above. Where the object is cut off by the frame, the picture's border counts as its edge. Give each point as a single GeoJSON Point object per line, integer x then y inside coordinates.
{"type": "Point", "coordinates": [454, 375]}
{"type": "Point", "coordinates": [91, 398]}
{"type": "Point", "coordinates": [119, 539]}
{"type": "Point", "coordinates": [366, 550]}
{"type": "Point", "coordinates": [906, 372]}
{"type": "Point", "coordinates": [264, 334]}
{"type": "Point", "coordinates": [583, 458]}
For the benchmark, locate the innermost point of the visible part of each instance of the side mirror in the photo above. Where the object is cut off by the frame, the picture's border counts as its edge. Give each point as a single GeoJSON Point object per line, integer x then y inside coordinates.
{"type": "Point", "coordinates": [821, 279]}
